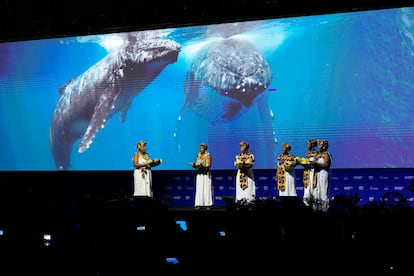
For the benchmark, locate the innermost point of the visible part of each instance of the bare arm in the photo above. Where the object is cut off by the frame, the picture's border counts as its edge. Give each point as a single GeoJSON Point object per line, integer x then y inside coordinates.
{"type": "Point", "coordinates": [326, 161]}
{"type": "Point", "coordinates": [138, 165]}
{"type": "Point", "coordinates": [209, 161]}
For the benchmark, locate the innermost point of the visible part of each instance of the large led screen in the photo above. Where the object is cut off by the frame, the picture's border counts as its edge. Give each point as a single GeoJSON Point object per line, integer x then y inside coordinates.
{"type": "Point", "coordinates": [82, 103]}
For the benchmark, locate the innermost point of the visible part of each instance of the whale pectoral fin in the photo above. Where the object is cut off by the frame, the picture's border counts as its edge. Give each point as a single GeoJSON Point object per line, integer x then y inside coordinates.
{"type": "Point", "coordinates": [267, 127]}
{"type": "Point", "coordinates": [100, 115]}
{"type": "Point", "coordinates": [123, 112]}
{"type": "Point", "coordinates": [191, 91]}
{"type": "Point", "coordinates": [178, 124]}
{"type": "Point", "coordinates": [267, 117]}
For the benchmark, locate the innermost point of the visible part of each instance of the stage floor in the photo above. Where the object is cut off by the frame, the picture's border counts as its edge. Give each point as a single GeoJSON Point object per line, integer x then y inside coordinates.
{"type": "Point", "coordinates": [116, 237]}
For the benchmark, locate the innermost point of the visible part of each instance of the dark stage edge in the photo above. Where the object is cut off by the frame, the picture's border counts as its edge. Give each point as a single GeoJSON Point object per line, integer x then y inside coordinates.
{"type": "Point", "coordinates": [102, 238]}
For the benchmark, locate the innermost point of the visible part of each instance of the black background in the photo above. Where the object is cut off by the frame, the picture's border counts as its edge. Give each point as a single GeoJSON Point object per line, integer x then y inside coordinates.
{"type": "Point", "coordinates": [23, 20]}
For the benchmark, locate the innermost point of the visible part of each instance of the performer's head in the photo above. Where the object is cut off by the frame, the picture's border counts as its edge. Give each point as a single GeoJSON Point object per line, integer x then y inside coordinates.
{"type": "Point", "coordinates": [141, 145]}
{"type": "Point", "coordinates": [244, 144]}
{"type": "Point", "coordinates": [203, 145]}
{"type": "Point", "coordinates": [312, 143]}
{"type": "Point", "coordinates": [286, 146]}
{"type": "Point", "coordinates": [323, 144]}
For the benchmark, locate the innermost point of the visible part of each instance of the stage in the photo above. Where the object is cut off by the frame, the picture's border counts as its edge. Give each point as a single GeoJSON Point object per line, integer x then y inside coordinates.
{"type": "Point", "coordinates": [128, 235]}
{"type": "Point", "coordinates": [87, 223]}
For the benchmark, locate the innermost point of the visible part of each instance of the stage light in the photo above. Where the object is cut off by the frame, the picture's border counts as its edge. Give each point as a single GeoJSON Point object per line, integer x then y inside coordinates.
{"type": "Point", "coordinates": [47, 239]}
{"type": "Point", "coordinates": [140, 228]}
{"type": "Point", "coordinates": [182, 224]}
{"type": "Point", "coordinates": [171, 260]}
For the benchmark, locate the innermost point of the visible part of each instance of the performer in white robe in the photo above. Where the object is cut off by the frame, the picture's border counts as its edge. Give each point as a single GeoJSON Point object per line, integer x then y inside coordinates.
{"type": "Point", "coordinates": [285, 172]}
{"type": "Point", "coordinates": [142, 172]}
{"type": "Point", "coordinates": [204, 188]}
{"type": "Point", "coordinates": [309, 173]}
{"type": "Point", "coordinates": [323, 163]}
{"type": "Point", "coordinates": [245, 183]}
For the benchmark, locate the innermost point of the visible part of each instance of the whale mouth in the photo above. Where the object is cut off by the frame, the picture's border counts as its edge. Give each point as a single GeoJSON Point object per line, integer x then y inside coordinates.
{"type": "Point", "coordinates": [245, 92]}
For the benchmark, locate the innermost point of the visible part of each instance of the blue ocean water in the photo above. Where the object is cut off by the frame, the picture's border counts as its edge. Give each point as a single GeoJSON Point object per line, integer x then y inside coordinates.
{"type": "Point", "coordinates": [343, 77]}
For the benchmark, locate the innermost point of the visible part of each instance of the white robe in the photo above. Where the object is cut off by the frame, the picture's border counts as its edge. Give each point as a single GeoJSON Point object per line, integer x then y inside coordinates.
{"type": "Point", "coordinates": [203, 191]}
{"type": "Point", "coordinates": [309, 193]}
{"type": "Point", "coordinates": [248, 194]}
{"type": "Point", "coordinates": [143, 180]}
{"type": "Point", "coordinates": [290, 189]}
{"type": "Point", "coordinates": [322, 190]}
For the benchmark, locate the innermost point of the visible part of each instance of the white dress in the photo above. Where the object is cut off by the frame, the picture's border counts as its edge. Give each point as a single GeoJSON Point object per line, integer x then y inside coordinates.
{"type": "Point", "coordinates": [245, 183]}
{"type": "Point", "coordinates": [322, 191]}
{"type": "Point", "coordinates": [290, 178]}
{"type": "Point", "coordinates": [309, 181]}
{"type": "Point", "coordinates": [143, 180]}
{"type": "Point", "coordinates": [286, 175]}
{"type": "Point", "coordinates": [204, 192]}
{"type": "Point", "coordinates": [203, 189]}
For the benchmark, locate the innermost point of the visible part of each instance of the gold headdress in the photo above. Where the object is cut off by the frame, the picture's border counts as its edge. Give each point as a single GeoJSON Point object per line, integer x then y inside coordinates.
{"type": "Point", "coordinates": [289, 147]}
{"type": "Point", "coordinates": [141, 143]}
{"type": "Point", "coordinates": [323, 143]}
{"type": "Point", "coordinates": [245, 144]}
{"type": "Point", "coordinates": [312, 142]}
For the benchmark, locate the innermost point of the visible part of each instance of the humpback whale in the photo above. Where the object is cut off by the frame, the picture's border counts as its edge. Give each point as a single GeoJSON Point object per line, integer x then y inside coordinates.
{"type": "Point", "coordinates": [226, 78]}
{"type": "Point", "coordinates": [88, 101]}
{"type": "Point", "coordinates": [231, 71]}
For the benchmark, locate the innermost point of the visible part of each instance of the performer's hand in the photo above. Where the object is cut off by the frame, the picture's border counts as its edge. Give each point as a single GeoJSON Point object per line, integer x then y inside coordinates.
{"type": "Point", "coordinates": [155, 162]}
